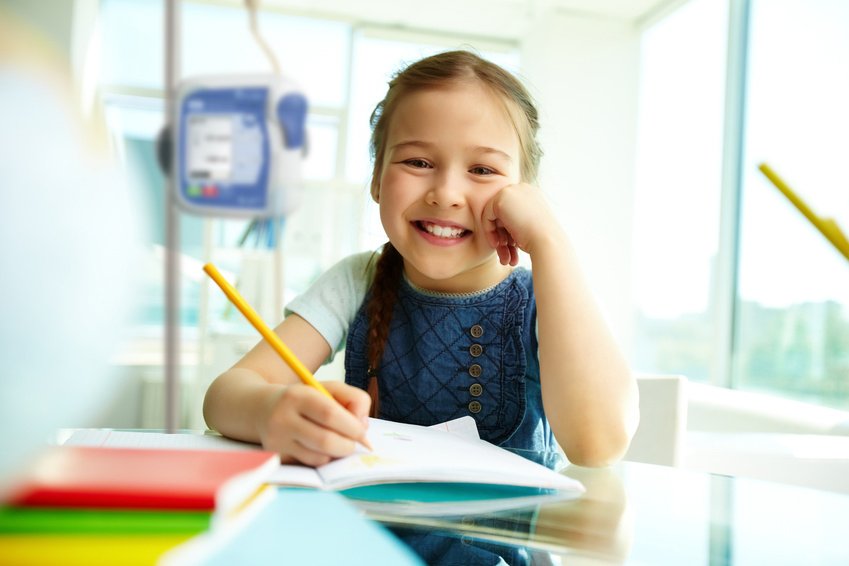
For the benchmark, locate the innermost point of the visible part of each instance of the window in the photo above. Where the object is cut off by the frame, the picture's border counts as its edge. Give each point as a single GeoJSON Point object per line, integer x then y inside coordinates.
{"type": "Point", "coordinates": [792, 332]}
{"type": "Point", "coordinates": [788, 332]}
{"type": "Point", "coordinates": [677, 192]}
{"type": "Point", "coordinates": [343, 69]}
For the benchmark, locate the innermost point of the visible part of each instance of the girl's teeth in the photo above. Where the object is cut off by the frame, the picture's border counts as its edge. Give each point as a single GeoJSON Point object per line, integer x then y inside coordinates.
{"type": "Point", "coordinates": [444, 231]}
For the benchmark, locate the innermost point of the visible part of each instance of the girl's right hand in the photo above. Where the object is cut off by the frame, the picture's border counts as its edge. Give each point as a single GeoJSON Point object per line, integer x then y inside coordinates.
{"type": "Point", "coordinates": [305, 426]}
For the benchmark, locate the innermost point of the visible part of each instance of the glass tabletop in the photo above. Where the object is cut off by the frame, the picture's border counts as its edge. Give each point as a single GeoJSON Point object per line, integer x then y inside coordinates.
{"type": "Point", "coordinates": [642, 514]}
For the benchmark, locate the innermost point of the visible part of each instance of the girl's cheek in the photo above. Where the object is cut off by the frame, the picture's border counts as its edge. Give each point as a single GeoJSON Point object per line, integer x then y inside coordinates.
{"type": "Point", "coordinates": [486, 196]}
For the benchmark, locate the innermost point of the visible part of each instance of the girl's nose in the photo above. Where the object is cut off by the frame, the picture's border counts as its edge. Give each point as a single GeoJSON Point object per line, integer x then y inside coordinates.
{"type": "Point", "coordinates": [446, 190]}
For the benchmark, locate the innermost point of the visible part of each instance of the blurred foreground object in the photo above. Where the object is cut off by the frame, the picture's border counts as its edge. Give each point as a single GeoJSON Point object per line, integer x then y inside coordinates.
{"type": "Point", "coordinates": [69, 244]}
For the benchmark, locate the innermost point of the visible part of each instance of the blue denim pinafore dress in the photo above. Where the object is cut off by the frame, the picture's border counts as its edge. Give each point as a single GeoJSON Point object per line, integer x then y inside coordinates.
{"type": "Point", "coordinates": [453, 355]}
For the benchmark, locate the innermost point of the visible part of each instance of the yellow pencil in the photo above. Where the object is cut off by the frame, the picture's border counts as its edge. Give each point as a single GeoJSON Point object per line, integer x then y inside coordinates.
{"type": "Point", "coordinates": [827, 226]}
{"type": "Point", "coordinates": [279, 346]}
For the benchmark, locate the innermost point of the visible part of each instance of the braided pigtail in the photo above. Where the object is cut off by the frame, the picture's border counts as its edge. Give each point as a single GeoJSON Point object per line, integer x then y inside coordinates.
{"type": "Point", "coordinates": [384, 292]}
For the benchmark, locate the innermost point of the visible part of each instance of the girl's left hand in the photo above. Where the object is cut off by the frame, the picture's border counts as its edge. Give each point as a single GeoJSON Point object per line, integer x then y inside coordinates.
{"type": "Point", "coordinates": [514, 218]}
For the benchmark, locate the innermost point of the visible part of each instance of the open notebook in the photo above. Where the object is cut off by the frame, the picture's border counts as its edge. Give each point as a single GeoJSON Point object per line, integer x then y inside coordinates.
{"type": "Point", "coordinates": [409, 453]}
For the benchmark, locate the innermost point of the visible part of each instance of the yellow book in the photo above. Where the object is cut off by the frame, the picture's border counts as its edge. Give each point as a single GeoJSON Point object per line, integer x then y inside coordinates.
{"type": "Point", "coordinates": [85, 550]}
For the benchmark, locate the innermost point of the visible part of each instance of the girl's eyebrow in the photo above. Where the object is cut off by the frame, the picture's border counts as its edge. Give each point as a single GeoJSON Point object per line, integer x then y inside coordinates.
{"type": "Point", "coordinates": [429, 145]}
{"type": "Point", "coordinates": [485, 149]}
{"type": "Point", "coordinates": [413, 143]}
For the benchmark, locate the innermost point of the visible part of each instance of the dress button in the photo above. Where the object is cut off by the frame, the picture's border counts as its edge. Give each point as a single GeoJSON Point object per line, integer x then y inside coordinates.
{"type": "Point", "coordinates": [476, 331]}
{"type": "Point", "coordinates": [475, 407]}
{"type": "Point", "coordinates": [475, 370]}
{"type": "Point", "coordinates": [476, 389]}
{"type": "Point", "coordinates": [476, 350]}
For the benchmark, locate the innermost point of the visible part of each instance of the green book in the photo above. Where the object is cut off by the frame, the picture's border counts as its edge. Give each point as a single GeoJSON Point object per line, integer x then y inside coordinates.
{"type": "Point", "coordinates": [42, 520]}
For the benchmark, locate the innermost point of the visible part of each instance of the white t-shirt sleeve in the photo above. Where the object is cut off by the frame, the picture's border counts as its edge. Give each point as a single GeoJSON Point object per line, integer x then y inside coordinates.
{"type": "Point", "coordinates": [332, 302]}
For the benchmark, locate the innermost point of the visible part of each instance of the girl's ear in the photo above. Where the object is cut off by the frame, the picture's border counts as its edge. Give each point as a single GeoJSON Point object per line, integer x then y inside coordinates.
{"type": "Point", "coordinates": [376, 171]}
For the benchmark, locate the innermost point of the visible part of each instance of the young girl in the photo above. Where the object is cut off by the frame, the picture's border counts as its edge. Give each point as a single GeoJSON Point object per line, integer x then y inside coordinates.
{"type": "Point", "coordinates": [441, 323]}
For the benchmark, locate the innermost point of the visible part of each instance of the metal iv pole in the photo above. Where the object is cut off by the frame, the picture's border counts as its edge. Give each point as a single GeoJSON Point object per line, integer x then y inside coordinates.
{"type": "Point", "coordinates": [172, 231]}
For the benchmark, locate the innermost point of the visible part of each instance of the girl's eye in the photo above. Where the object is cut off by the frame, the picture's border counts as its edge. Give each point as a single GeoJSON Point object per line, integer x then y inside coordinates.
{"type": "Point", "coordinates": [417, 163]}
{"type": "Point", "coordinates": [481, 170]}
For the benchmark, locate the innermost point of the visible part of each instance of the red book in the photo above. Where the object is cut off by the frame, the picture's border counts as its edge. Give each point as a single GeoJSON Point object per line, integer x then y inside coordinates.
{"type": "Point", "coordinates": [141, 478]}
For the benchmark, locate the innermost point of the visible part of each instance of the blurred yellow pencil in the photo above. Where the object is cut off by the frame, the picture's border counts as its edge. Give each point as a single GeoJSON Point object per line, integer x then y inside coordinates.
{"type": "Point", "coordinates": [279, 346]}
{"type": "Point", "coordinates": [827, 226]}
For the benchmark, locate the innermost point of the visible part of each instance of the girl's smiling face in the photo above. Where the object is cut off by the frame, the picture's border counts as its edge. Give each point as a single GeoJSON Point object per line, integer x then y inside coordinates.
{"type": "Point", "coordinates": [448, 151]}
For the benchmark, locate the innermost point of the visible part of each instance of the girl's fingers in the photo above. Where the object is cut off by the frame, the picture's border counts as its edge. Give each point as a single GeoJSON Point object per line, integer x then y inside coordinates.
{"type": "Point", "coordinates": [302, 455]}
{"type": "Point", "coordinates": [333, 442]}
{"type": "Point", "coordinates": [325, 441]}
{"type": "Point", "coordinates": [503, 254]}
{"type": "Point", "coordinates": [504, 238]}
{"type": "Point", "coordinates": [335, 429]}
{"type": "Point", "coordinates": [492, 235]}
{"type": "Point", "coordinates": [491, 225]}
{"type": "Point", "coordinates": [354, 399]}
{"type": "Point", "coordinates": [508, 254]}
{"type": "Point", "coordinates": [504, 245]}
{"type": "Point", "coordinates": [514, 255]}
{"type": "Point", "coordinates": [313, 429]}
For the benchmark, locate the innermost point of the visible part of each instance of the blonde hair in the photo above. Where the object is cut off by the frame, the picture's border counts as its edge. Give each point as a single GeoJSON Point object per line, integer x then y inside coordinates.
{"type": "Point", "coordinates": [436, 71]}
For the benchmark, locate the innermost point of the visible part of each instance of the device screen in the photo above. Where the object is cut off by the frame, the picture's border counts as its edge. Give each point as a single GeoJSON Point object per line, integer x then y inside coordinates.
{"type": "Point", "coordinates": [210, 147]}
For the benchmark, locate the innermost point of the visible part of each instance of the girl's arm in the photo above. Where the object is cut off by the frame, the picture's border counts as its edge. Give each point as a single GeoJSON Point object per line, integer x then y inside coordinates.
{"type": "Point", "coordinates": [260, 399]}
{"type": "Point", "coordinates": [589, 393]}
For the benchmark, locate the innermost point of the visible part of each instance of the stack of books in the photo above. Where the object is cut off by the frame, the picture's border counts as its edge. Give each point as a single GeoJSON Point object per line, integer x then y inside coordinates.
{"type": "Point", "coordinates": [107, 505]}
{"type": "Point", "coordinates": [122, 497]}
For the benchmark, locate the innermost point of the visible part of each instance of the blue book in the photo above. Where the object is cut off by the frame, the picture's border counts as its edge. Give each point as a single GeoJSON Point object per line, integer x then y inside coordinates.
{"type": "Point", "coordinates": [298, 526]}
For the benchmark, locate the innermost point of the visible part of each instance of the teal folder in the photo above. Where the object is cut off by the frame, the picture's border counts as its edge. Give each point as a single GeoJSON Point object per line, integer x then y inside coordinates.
{"type": "Point", "coordinates": [449, 499]}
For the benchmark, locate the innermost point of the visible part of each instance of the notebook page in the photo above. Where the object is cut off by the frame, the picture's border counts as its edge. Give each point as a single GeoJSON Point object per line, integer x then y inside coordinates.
{"type": "Point", "coordinates": [146, 439]}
